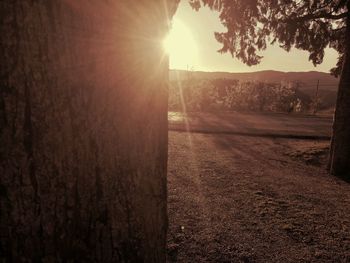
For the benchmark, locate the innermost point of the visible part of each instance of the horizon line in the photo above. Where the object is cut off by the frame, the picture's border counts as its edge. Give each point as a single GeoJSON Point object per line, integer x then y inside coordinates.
{"type": "Point", "coordinates": [237, 72]}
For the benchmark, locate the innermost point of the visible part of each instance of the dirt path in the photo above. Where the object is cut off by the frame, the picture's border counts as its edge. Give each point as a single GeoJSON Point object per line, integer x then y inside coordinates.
{"type": "Point", "coordinates": [277, 124]}
{"type": "Point", "coordinates": [243, 199]}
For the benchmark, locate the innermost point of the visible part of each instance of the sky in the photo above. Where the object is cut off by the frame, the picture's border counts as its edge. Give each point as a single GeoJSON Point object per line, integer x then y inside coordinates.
{"type": "Point", "coordinates": [201, 26]}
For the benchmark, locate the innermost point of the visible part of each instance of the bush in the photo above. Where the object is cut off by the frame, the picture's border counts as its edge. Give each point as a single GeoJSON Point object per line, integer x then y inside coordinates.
{"type": "Point", "coordinates": [233, 95]}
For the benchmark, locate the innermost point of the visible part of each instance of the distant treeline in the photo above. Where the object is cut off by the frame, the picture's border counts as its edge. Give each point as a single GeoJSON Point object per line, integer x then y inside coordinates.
{"type": "Point", "coordinates": [235, 95]}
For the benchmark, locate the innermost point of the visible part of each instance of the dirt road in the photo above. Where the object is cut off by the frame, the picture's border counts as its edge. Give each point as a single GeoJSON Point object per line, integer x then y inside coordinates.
{"type": "Point", "coordinates": [249, 199]}
{"type": "Point", "coordinates": [277, 124]}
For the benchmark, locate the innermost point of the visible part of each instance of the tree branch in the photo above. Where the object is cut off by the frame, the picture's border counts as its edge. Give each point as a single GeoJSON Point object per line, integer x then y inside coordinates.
{"type": "Point", "coordinates": [318, 16]}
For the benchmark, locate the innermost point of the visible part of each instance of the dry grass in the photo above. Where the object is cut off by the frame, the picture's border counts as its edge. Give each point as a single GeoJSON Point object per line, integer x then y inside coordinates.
{"type": "Point", "coordinates": [246, 199]}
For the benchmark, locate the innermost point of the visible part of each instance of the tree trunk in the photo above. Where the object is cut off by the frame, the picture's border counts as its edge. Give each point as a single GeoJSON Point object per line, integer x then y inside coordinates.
{"type": "Point", "coordinates": [339, 162]}
{"type": "Point", "coordinates": [83, 131]}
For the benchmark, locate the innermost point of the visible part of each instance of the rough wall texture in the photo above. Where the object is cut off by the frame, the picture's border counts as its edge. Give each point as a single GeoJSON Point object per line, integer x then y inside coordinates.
{"type": "Point", "coordinates": [83, 131]}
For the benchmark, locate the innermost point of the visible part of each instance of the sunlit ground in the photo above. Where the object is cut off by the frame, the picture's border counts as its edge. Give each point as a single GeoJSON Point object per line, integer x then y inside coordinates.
{"type": "Point", "coordinates": [176, 116]}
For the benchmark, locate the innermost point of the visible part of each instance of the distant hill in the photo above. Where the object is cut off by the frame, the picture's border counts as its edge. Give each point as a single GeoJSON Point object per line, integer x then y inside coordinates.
{"type": "Point", "coordinates": [307, 79]}
{"type": "Point", "coordinates": [328, 85]}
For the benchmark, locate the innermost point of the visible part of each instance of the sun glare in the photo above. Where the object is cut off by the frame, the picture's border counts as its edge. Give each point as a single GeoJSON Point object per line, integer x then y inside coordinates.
{"type": "Point", "coordinates": [180, 46]}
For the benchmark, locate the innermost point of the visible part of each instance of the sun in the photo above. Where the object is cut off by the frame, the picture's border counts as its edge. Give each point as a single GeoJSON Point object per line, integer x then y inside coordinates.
{"type": "Point", "coordinates": [181, 46]}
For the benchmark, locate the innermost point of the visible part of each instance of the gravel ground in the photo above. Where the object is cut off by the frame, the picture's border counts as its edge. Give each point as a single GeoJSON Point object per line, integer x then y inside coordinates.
{"type": "Point", "coordinates": [250, 199]}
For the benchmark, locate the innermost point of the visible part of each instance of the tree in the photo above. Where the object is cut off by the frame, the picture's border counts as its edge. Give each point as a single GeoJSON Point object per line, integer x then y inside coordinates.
{"type": "Point", "coordinates": [83, 130]}
{"type": "Point", "coordinates": [310, 25]}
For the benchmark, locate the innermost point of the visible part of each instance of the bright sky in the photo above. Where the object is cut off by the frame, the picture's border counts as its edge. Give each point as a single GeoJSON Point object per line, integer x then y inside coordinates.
{"type": "Point", "coordinates": [197, 29]}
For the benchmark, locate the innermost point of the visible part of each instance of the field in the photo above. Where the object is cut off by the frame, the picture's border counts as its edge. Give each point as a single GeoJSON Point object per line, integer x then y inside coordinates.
{"type": "Point", "coordinates": [234, 198]}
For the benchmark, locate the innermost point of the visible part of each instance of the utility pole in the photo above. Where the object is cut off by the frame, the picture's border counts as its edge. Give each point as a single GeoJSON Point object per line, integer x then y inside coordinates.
{"type": "Point", "coordinates": [316, 97]}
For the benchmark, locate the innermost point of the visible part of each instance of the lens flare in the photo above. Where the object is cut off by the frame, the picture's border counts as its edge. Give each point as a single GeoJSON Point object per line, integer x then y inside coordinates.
{"type": "Point", "coordinates": [181, 46]}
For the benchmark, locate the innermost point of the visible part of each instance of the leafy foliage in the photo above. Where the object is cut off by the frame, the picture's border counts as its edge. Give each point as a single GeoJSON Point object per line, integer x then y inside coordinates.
{"type": "Point", "coordinates": [228, 95]}
{"type": "Point", "coordinates": [310, 25]}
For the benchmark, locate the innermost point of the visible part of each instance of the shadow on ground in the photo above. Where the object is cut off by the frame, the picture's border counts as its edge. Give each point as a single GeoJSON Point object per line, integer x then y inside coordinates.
{"type": "Point", "coordinates": [246, 199]}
